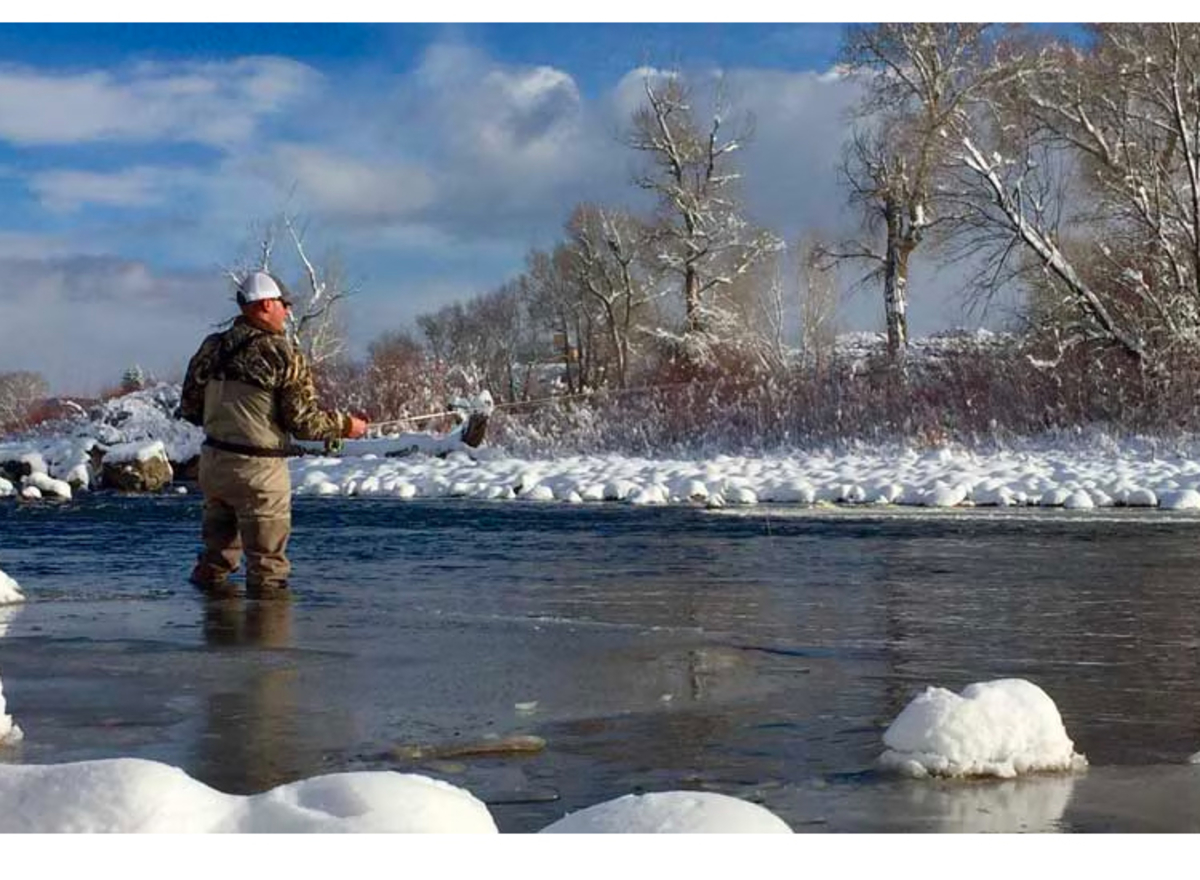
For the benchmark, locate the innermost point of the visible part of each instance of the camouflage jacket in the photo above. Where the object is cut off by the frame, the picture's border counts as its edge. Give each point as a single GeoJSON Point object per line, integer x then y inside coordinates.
{"type": "Point", "coordinates": [268, 361]}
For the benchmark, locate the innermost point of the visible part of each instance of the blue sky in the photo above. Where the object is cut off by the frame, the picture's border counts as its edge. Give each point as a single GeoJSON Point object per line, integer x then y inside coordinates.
{"type": "Point", "coordinates": [136, 161]}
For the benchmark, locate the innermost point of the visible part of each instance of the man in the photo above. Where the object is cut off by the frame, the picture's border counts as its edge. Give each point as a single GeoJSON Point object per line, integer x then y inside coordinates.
{"type": "Point", "coordinates": [250, 389]}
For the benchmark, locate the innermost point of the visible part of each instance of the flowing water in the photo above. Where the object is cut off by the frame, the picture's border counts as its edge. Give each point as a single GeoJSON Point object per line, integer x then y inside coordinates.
{"type": "Point", "coordinates": [759, 653]}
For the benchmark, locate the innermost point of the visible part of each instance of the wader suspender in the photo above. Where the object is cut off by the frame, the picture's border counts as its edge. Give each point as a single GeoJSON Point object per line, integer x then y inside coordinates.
{"type": "Point", "coordinates": [223, 360]}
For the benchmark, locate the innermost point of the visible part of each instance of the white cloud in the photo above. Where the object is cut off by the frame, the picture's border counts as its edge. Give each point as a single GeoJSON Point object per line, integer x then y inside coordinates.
{"type": "Point", "coordinates": [138, 187]}
{"type": "Point", "coordinates": [791, 161]}
{"type": "Point", "coordinates": [215, 103]}
{"type": "Point", "coordinates": [347, 188]}
{"type": "Point", "coordinates": [496, 117]}
{"type": "Point", "coordinates": [34, 246]}
{"type": "Point", "coordinates": [81, 321]}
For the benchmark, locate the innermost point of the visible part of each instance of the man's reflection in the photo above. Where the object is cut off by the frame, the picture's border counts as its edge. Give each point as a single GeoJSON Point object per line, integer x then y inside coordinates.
{"type": "Point", "coordinates": [249, 742]}
{"type": "Point", "coordinates": [230, 622]}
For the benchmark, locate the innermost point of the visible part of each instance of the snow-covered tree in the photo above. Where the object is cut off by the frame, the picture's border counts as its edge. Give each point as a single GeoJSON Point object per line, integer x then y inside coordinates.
{"type": "Point", "coordinates": [1084, 170]}
{"type": "Point", "coordinates": [920, 81]}
{"type": "Point", "coordinates": [702, 237]}
{"type": "Point", "coordinates": [133, 379]}
{"type": "Point", "coordinates": [1129, 110]}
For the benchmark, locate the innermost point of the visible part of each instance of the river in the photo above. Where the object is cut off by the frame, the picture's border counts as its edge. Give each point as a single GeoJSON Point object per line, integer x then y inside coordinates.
{"type": "Point", "coordinates": [759, 653]}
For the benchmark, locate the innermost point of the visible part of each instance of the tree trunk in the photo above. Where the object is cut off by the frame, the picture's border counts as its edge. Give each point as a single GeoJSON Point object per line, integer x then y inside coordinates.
{"type": "Point", "coordinates": [895, 284]}
{"type": "Point", "coordinates": [691, 298]}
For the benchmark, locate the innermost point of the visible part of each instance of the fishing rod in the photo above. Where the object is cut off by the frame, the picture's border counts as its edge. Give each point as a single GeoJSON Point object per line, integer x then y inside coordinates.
{"type": "Point", "coordinates": [421, 418]}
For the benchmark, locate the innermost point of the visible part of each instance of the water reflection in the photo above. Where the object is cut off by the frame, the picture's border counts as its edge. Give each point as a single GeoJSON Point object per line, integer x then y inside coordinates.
{"type": "Point", "coordinates": [249, 741]}
{"type": "Point", "coordinates": [237, 622]}
{"type": "Point", "coordinates": [1034, 804]}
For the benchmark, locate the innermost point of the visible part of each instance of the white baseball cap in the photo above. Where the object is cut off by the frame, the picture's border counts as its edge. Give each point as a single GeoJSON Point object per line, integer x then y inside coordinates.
{"type": "Point", "coordinates": [262, 285]}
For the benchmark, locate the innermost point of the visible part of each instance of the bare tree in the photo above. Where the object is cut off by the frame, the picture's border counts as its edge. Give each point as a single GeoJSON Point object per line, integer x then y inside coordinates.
{"type": "Point", "coordinates": [1105, 142]}
{"type": "Point", "coordinates": [485, 344]}
{"type": "Point", "coordinates": [921, 81]}
{"type": "Point", "coordinates": [321, 287]}
{"type": "Point", "coordinates": [702, 237]}
{"type": "Point", "coordinates": [1130, 111]}
{"type": "Point", "coordinates": [818, 305]}
{"type": "Point", "coordinates": [401, 381]}
{"type": "Point", "coordinates": [767, 315]}
{"type": "Point", "coordinates": [19, 392]}
{"type": "Point", "coordinates": [558, 305]}
{"type": "Point", "coordinates": [612, 264]}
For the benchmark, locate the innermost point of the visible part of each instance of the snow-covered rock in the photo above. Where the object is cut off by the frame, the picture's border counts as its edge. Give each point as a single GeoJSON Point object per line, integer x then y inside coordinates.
{"type": "Point", "coordinates": [10, 590]}
{"type": "Point", "coordinates": [1078, 500]}
{"type": "Point", "coordinates": [47, 485]}
{"type": "Point", "coordinates": [10, 732]}
{"type": "Point", "coordinates": [1184, 499]}
{"type": "Point", "coordinates": [1141, 498]}
{"type": "Point", "coordinates": [996, 728]}
{"type": "Point", "coordinates": [671, 812]}
{"type": "Point", "coordinates": [136, 467]}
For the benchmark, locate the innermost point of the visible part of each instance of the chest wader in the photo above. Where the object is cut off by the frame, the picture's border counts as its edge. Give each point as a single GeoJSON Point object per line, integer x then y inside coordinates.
{"type": "Point", "coordinates": [246, 485]}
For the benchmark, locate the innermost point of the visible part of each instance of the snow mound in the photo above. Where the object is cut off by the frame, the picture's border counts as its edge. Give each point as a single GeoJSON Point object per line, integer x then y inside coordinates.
{"type": "Point", "coordinates": [1001, 728]}
{"type": "Point", "coordinates": [47, 485]}
{"type": "Point", "coordinates": [10, 590]}
{"type": "Point", "coordinates": [376, 801]}
{"type": "Point", "coordinates": [671, 812]}
{"type": "Point", "coordinates": [144, 416]}
{"type": "Point", "coordinates": [142, 450]}
{"type": "Point", "coordinates": [9, 731]}
{"type": "Point", "coordinates": [128, 795]}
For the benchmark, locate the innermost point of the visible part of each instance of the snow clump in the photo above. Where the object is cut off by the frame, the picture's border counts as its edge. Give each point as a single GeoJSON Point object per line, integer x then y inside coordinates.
{"type": "Point", "coordinates": [1001, 728]}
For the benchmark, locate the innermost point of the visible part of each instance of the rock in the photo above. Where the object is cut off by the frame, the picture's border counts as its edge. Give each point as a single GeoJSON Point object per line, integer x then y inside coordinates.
{"type": "Point", "coordinates": [147, 471]}
{"type": "Point", "coordinates": [22, 466]}
{"type": "Point", "coordinates": [486, 747]}
{"type": "Point", "coordinates": [475, 429]}
{"type": "Point", "coordinates": [14, 470]}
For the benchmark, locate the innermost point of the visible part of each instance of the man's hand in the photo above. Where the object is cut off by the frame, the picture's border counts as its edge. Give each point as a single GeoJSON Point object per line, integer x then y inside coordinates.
{"type": "Point", "coordinates": [358, 427]}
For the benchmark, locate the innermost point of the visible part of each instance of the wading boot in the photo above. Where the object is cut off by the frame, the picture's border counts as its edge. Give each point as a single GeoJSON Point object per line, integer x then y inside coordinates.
{"type": "Point", "coordinates": [213, 584]}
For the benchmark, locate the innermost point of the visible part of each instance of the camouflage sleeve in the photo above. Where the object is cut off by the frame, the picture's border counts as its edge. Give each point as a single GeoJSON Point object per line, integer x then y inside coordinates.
{"type": "Point", "coordinates": [191, 399]}
{"type": "Point", "coordinates": [299, 413]}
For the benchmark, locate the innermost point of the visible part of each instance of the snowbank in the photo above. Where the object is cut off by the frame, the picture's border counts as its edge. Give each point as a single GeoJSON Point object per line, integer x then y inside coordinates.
{"type": "Point", "coordinates": [1088, 473]}
{"type": "Point", "coordinates": [135, 795]}
{"type": "Point", "coordinates": [133, 427]}
{"type": "Point", "coordinates": [1081, 479]}
{"type": "Point", "coordinates": [999, 728]}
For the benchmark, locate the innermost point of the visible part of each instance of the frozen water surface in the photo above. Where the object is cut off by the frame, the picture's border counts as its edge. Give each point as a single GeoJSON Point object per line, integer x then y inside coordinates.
{"type": "Point", "coordinates": [759, 653]}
